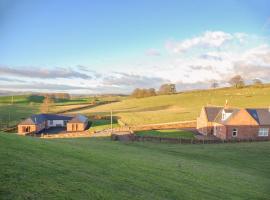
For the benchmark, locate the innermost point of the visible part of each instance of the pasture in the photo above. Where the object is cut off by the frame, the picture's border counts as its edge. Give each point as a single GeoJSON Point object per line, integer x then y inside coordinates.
{"type": "Point", "coordinates": [95, 168]}
{"type": "Point", "coordinates": [182, 106]}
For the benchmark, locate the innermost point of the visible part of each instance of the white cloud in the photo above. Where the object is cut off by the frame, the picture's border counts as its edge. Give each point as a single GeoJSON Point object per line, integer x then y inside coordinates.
{"type": "Point", "coordinates": [215, 55]}
{"type": "Point", "coordinates": [209, 39]}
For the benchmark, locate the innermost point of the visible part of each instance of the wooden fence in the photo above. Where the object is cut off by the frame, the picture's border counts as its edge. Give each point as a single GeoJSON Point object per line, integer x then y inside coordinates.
{"type": "Point", "coordinates": [138, 138]}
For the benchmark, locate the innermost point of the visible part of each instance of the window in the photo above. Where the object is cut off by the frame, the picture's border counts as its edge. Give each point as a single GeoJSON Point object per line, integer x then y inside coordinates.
{"type": "Point", "coordinates": [51, 122]}
{"type": "Point", "coordinates": [263, 132]}
{"type": "Point", "coordinates": [234, 132]}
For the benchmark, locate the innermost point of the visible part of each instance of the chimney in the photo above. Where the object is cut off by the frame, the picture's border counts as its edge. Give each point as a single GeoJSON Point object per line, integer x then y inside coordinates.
{"type": "Point", "coordinates": [226, 104]}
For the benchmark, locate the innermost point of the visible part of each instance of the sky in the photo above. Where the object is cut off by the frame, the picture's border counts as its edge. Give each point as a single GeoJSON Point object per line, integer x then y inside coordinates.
{"type": "Point", "coordinates": [98, 46]}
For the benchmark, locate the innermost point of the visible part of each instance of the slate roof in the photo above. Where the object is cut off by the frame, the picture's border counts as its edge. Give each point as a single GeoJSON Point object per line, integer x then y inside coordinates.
{"type": "Point", "coordinates": [79, 119]}
{"type": "Point", "coordinates": [212, 112]}
{"type": "Point", "coordinates": [261, 115]}
{"type": "Point", "coordinates": [40, 118]}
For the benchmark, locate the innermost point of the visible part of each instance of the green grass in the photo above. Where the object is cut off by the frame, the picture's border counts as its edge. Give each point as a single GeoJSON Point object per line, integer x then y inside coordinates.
{"type": "Point", "coordinates": [15, 113]}
{"type": "Point", "coordinates": [183, 106]}
{"type": "Point", "coordinates": [170, 133]}
{"type": "Point", "coordinates": [33, 168]}
{"type": "Point", "coordinates": [102, 124]}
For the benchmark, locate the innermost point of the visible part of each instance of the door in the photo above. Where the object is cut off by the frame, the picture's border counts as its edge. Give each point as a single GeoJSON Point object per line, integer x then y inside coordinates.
{"type": "Point", "coordinates": [215, 130]}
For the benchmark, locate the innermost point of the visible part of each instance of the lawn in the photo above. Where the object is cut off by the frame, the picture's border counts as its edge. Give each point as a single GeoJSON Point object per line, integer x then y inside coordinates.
{"type": "Point", "coordinates": [182, 106]}
{"type": "Point", "coordinates": [95, 168]}
{"type": "Point", "coordinates": [170, 133]}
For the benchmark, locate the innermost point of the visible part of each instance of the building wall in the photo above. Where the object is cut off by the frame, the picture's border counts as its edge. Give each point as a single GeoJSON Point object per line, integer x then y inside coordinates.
{"type": "Point", "coordinates": [55, 123]}
{"type": "Point", "coordinates": [76, 126]}
{"type": "Point", "coordinates": [220, 131]}
{"type": "Point", "coordinates": [246, 132]}
{"type": "Point", "coordinates": [31, 128]}
{"type": "Point", "coordinates": [203, 126]}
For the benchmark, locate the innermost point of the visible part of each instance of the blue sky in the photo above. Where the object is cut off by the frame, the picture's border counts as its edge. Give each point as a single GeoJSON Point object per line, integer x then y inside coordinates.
{"type": "Point", "coordinates": [117, 41]}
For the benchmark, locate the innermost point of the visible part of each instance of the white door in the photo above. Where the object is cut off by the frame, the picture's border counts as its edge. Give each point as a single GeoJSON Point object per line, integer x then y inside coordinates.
{"type": "Point", "coordinates": [215, 130]}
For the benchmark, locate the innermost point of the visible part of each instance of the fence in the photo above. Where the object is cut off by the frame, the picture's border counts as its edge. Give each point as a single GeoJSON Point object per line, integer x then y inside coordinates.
{"type": "Point", "coordinates": [138, 138]}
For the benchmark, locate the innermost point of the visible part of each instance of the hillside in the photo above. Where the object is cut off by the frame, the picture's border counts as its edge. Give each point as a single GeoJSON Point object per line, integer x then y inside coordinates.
{"type": "Point", "coordinates": [33, 168]}
{"type": "Point", "coordinates": [183, 106]}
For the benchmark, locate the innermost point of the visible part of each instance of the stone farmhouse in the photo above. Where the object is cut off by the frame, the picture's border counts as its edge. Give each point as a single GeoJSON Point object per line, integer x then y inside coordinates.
{"type": "Point", "coordinates": [229, 123]}
{"type": "Point", "coordinates": [39, 122]}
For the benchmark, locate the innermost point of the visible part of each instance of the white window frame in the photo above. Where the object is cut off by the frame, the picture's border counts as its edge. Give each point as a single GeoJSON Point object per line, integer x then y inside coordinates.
{"type": "Point", "coordinates": [234, 132]}
{"type": "Point", "coordinates": [263, 132]}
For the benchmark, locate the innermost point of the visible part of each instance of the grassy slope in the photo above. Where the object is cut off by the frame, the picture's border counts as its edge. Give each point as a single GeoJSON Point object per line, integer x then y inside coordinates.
{"type": "Point", "coordinates": [170, 133]}
{"type": "Point", "coordinates": [32, 168]}
{"type": "Point", "coordinates": [184, 106]}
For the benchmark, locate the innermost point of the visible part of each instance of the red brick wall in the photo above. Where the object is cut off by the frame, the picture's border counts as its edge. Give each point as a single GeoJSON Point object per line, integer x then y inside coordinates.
{"type": "Point", "coordinates": [246, 132]}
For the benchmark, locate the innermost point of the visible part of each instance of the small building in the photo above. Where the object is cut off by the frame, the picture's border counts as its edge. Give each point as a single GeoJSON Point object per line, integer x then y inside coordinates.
{"type": "Point", "coordinates": [39, 122]}
{"type": "Point", "coordinates": [231, 123]}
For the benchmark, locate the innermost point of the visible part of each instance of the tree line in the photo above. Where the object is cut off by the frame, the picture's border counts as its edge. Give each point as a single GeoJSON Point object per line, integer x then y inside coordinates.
{"type": "Point", "coordinates": [164, 89]}
{"type": "Point", "coordinates": [238, 81]}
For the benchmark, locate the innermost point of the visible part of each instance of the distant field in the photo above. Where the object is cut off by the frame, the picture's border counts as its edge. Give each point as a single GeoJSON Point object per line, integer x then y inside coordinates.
{"type": "Point", "coordinates": [170, 133]}
{"type": "Point", "coordinates": [183, 106]}
{"type": "Point", "coordinates": [15, 108]}
{"type": "Point", "coordinates": [95, 168]}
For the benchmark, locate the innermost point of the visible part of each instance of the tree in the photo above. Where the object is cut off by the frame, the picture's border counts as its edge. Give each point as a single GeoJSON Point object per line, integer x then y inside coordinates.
{"type": "Point", "coordinates": [141, 93]}
{"type": "Point", "coordinates": [237, 81]}
{"type": "Point", "coordinates": [47, 103]}
{"type": "Point", "coordinates": [214, 84]}
{"type": "Point", "coordinates": [257, 82]}
{"type": "Point", "coordinates": [167, 89]}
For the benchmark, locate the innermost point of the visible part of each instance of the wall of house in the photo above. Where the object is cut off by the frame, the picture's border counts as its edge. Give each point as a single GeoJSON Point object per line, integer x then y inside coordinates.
{"type": "Point", "coordinates": [54, 123]}
{"type": "Point", "coordinates": [220, 131]}
{"type": "Point", "coordinates": [32, 129]}
{"type": "Point", "coordinates": [246, 132]}
{"type": "Point", "coordinates": [76, 126]}
{"type": "Point", "coordinates": [203, 126]}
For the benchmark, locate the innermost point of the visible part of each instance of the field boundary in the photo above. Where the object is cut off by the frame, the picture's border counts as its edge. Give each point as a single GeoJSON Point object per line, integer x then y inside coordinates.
{"type": "Point", "coordinates": [139, 138]}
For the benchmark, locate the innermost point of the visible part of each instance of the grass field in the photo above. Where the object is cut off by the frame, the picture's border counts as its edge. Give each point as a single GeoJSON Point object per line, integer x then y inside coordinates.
{"type": "Point", "coordinates": [183, 106]}
{"type": "Point", "coordinates": [101, 124]}
{"type": "Point", "coordinates": [33, 168]}
{"type": "Point", "coordinates": [15, 108]}
{"type": "Point", "coordinates": [170, 133]}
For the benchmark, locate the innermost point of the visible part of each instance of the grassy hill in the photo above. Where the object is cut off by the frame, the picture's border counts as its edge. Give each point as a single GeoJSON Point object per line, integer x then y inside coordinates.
{"type": "Point", "coordinates": [33, 168]}
{"type": "Point", "coordinates": [183, 106]}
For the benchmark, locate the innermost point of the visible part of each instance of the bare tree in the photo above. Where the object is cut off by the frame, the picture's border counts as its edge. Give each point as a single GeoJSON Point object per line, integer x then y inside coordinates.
{"type": "Point", "coordinates": [237, 81]}
{"type": "Point", "coordinates": [47, 103]}
{"type": "Point", "coordinates": [214, 84]}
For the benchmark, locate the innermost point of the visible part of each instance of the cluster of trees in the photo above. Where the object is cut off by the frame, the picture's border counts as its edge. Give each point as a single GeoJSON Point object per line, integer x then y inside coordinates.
{"type": "Point", "coordinates": [57, 95]}
{"type": "Point", "coordinates": [237, 81]}
{"type": "Point", "coordinates": [141, 93]}
{"type": "Point", "coordinates": [163, 90]}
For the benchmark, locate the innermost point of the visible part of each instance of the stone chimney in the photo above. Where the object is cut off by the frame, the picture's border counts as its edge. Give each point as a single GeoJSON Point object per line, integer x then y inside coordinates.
{"type": "Point", "coordinates": [226, 104]}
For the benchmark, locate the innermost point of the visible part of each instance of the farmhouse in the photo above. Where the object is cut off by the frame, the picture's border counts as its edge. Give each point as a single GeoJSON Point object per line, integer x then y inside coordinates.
{"type": "Point", "coordinates": [229, 123]}
{"type": "Point", "coordinates": [37, 123]}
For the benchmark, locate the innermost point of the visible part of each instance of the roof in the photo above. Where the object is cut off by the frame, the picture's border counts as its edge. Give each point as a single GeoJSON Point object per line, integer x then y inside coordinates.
{"type": "Point", "coordinates": [233, 112]}
{"type": "Point", "coordinates": [212, 112]}
{"type": "Point", "coordinates": [261, 115]}
{"type": "Point", "coordinates": [79, 119]}
{"type": "Point", "coordinates": [40, 118]}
